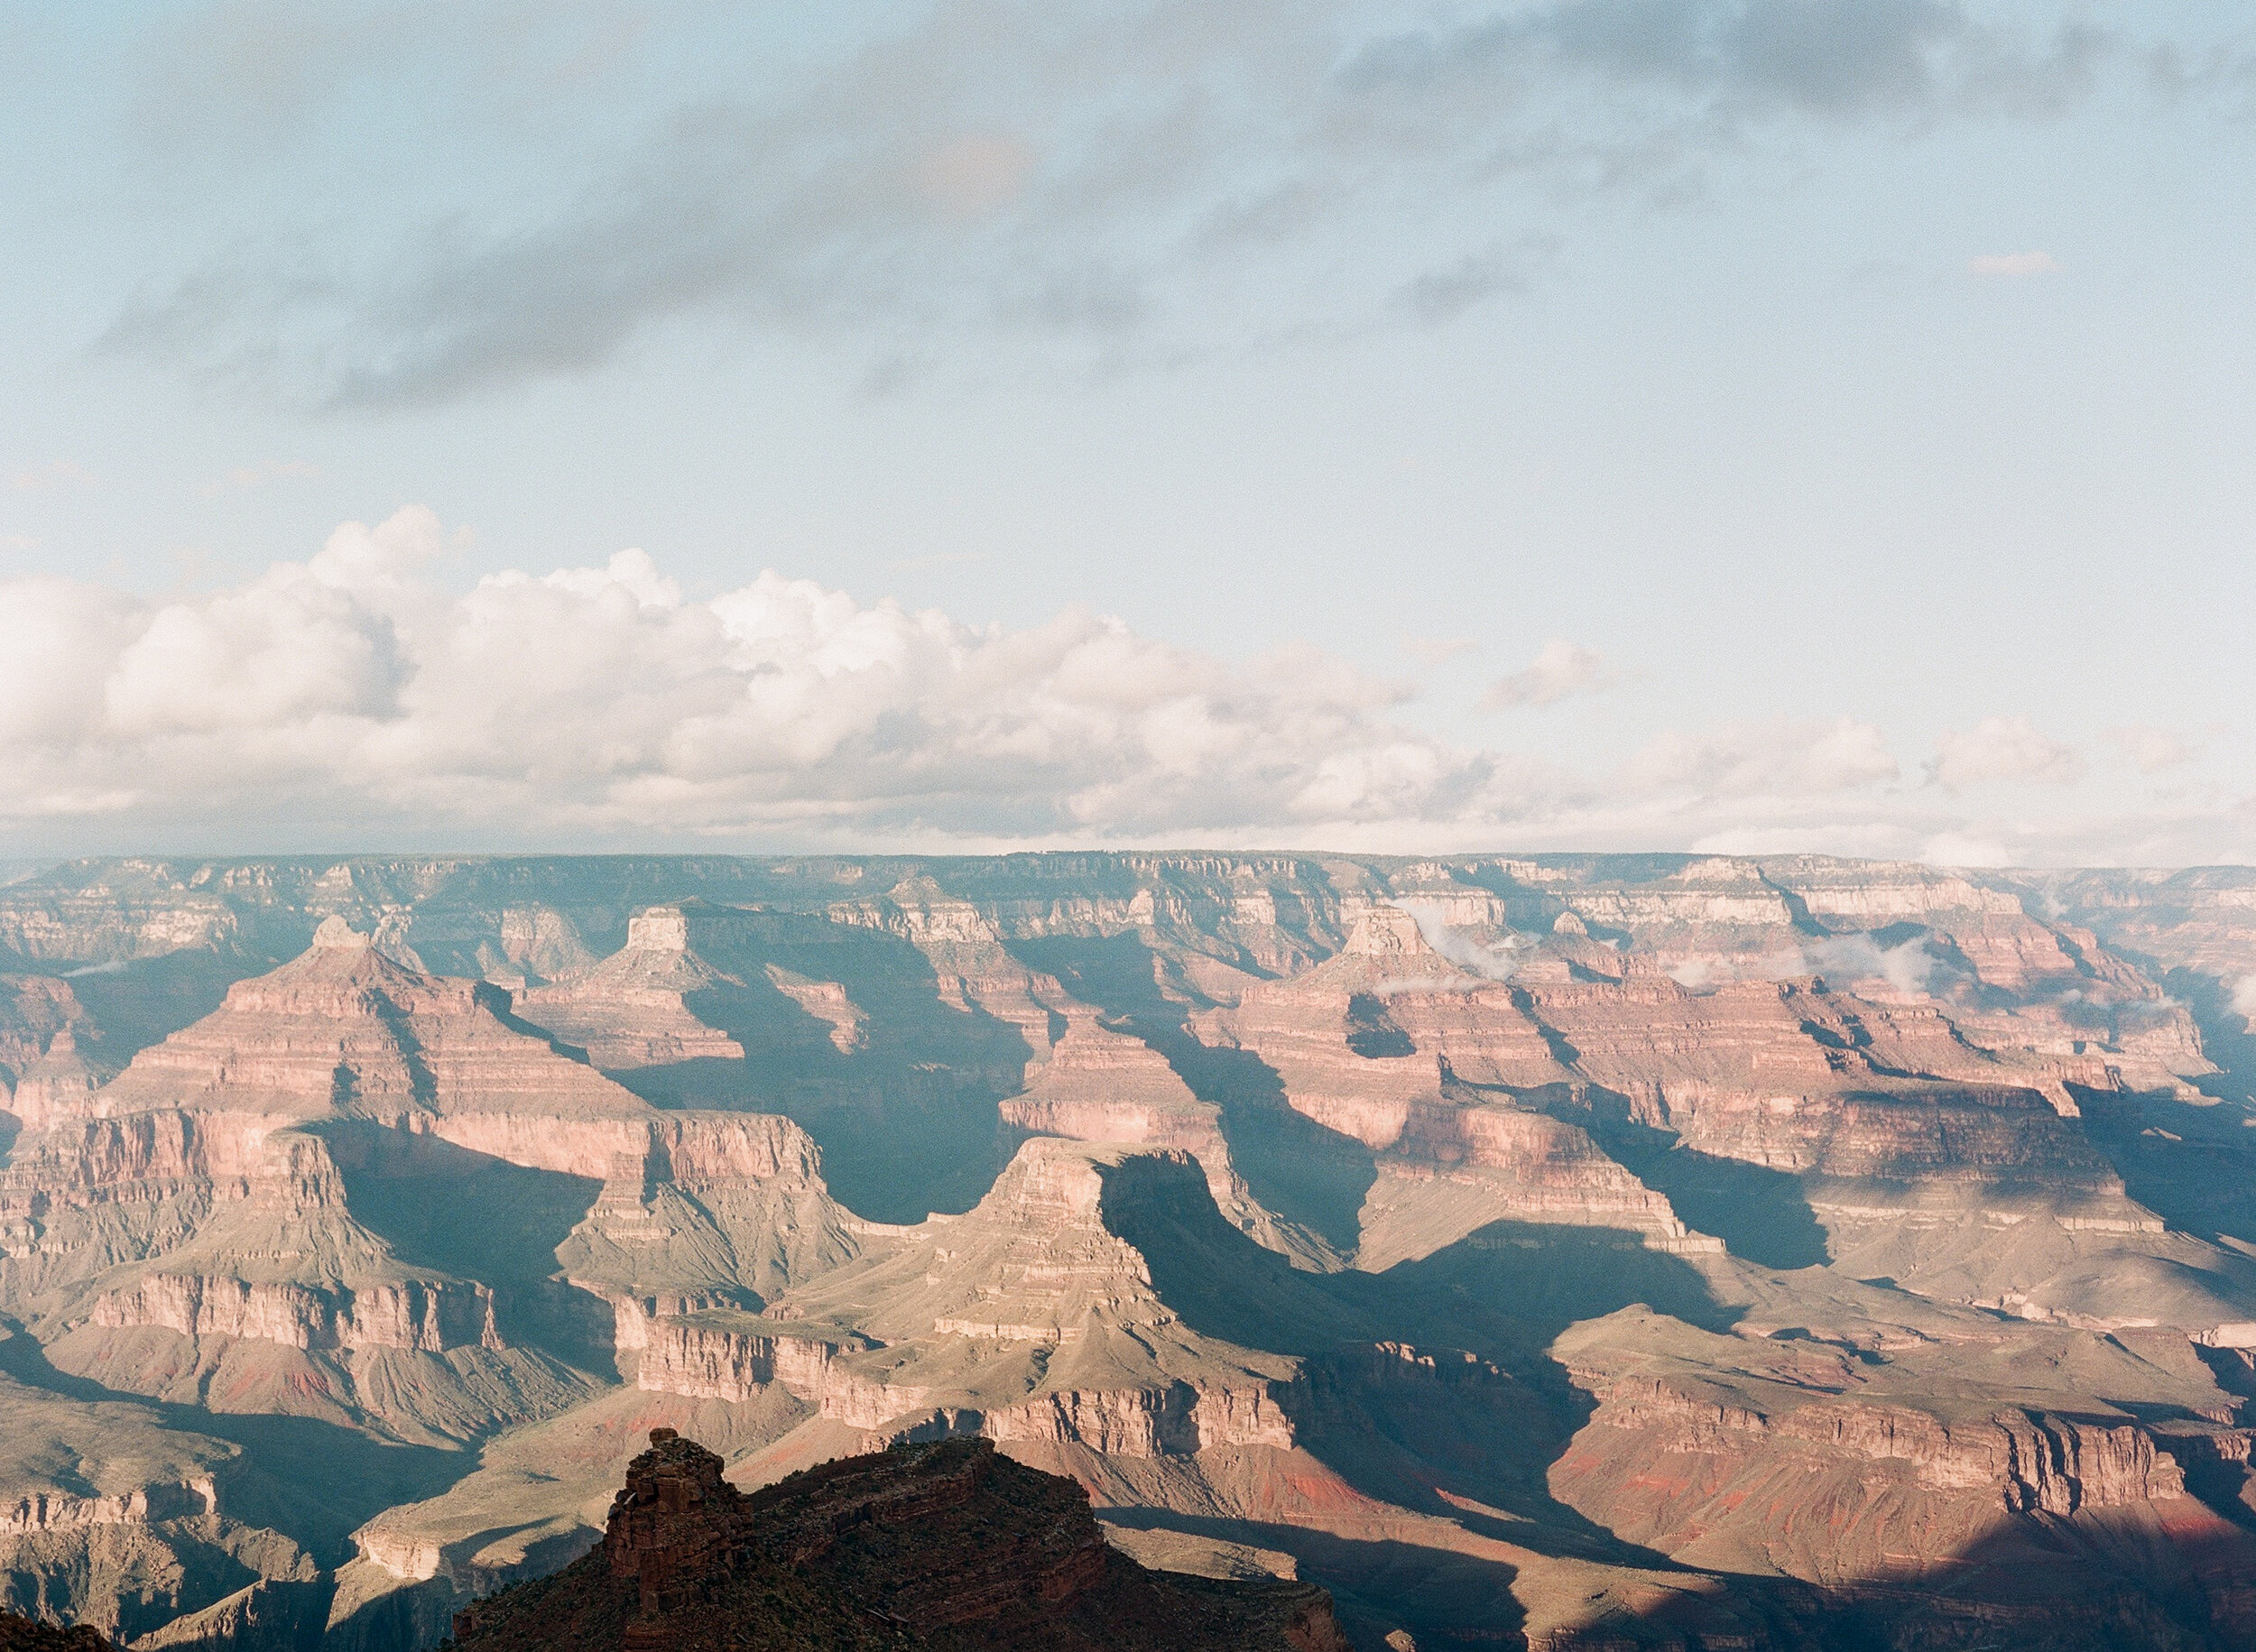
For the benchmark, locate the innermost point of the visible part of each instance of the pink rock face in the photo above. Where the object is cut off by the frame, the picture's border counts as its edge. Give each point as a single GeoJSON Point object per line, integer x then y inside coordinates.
{"type": "Point", "coordinates": [628, 1010]}
{"type": "Point", "coordinates": [1101, 1085]}
{"type": "Point", "coordinates": [424, 1316]}
{"type": "Point", "coordinates": [41, 1071]}
{"type": "Point", "coordinates": [1948, 1371]}
{"type": "Point", "coordinates": [343, 1031]}
{"type": "Point", "coordinates": [1362, 1039]}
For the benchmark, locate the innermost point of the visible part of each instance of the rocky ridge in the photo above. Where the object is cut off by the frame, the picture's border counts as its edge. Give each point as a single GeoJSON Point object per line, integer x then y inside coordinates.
{"type": "Point", "coordinates": [1388, 1219]}
{"type": "Point", "coordinates": [946, 1545]}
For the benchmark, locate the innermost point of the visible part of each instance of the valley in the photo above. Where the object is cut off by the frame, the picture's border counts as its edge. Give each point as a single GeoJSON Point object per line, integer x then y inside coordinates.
{"type": "Point", "coordinates": [1574, 1252]}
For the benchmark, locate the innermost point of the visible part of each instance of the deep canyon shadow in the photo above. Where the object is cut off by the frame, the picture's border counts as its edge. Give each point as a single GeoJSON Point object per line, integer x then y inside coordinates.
{"type": "Point", "coordinates": [316, 1482]}
{"type": "Point", "coordinates": [1309, 1176]}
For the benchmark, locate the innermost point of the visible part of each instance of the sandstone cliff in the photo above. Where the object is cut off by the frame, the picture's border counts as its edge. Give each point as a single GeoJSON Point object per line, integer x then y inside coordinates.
{"type": "Point", "coordinates": [1348, 1176]}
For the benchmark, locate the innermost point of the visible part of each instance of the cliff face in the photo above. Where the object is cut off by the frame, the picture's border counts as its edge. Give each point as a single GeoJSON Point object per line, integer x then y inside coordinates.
{"type": "Point", "coordinates": [2025, 1513]}
{"type": "Point", "coordinates": [1025, 1320]}
{"type": "Point", "coordinates": [630, 1011]}
{"type": "Point", "coordinates": [1301, 1208]}
{"type": "Point", "coordinates": [944, 1545]}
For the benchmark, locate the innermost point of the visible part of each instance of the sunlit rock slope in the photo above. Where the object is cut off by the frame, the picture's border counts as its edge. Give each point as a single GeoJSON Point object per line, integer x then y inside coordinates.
{"type": "Point", "coordinates": [1567, 1251]}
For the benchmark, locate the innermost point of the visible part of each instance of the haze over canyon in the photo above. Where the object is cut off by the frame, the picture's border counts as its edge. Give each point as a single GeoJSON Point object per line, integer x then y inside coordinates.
{"type": "Point", "coordinates": [983, 826]}
{"type": "Point", "coordinates": [1575, 1250]}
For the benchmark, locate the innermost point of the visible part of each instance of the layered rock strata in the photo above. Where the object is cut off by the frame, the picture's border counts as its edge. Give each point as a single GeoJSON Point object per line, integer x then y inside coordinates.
{"type": "Point", "coordinates": [945, 1545]}
{"type": "Point", "coordinates": [630, 1011]}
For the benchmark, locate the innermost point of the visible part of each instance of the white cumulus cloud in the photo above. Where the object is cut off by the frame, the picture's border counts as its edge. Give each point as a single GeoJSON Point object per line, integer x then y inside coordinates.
{"type": "Point", "coordinates": [1561, 669]}
{"type": "Point", "coordinates": [1786, 756]}
{"type": "Point", "coordinates": [2003, 749]}
{"type": "Point", "coordinates": [358, 699]}
{"type": "Point", "coordinates": [594, 700]}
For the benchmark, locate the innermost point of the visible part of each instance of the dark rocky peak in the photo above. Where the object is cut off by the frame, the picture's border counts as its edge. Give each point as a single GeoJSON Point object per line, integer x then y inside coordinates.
{"type": "Point", "coordinates": [946, 1544]}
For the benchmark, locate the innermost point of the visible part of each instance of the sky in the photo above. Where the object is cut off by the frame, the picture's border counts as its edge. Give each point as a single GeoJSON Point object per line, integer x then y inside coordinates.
{"type": "Point", "coordinates": [1731, 426]}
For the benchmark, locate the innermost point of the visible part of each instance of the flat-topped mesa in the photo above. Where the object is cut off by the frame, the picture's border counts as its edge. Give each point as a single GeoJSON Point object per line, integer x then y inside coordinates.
{"type": "Point", "coordinates": [631, 1010]}
{"type": "Point", "coordinates": [658, 929]}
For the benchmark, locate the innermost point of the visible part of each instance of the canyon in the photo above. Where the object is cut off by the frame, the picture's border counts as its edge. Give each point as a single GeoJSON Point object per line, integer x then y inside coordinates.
{"type": "Point", "coordinates": [1572, 1253]}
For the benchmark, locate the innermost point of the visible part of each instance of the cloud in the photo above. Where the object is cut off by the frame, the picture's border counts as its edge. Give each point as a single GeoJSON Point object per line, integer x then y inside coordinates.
{"type": "Point", "coordinates": [1908, 967]}
{"type": "Point", "coordinates": [1487, 960]}
{"type": "Point", "coordinates": [2244, 997]}
{"type": "Point", "coordinates": [1785, 756]}
{"type": "Point", "coordinates": [1561, 669]}
{"type": "Point", "coordinates": [357, 698]}
{"type": "Point", "coordinates": [601, 700]}
{"type": "Point", "coordinates": [245, 476]}
{"type": "Point", "coordinates": [1434, 297]}
{"type": "Point", "coordinates": [2148, 749]}
{"type": "Point", "coordinates": [2011, 264]}
{"type": "Point", "coordinates": [1743, 60]}
{"type": "Point", "coordinates": [2002, 748]}
{"type": "Point", "coordinates": [1089, 182]}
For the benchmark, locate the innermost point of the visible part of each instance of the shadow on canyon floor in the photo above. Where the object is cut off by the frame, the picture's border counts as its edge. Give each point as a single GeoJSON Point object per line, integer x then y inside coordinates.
{"type": "Point", "coordinates": [2194, 1166]}
{"type": "Point", "coordinates": [1429, 1386]}
{"type": "Point", "coordinates": [899, 1092]}
{"type": "Point", "coordinates": [312, 1480]}
{"type": "Point", "coordinates": [471, 1216]}
{"type": "Point", "coordinates": [1443, 1598]}
{"type": "Point", "coordinates": [1313, 1177]}
{"type": "Point", "coordinates": [1760, 1214]}
{"type": "Point", "coordinates": [2224, 1030]}
{"type": "Point", "coordinates": [141, 1002]}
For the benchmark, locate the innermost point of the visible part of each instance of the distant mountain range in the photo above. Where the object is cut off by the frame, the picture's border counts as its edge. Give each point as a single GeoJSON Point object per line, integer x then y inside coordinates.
{"type": "Point", "coordinates": [1566, 1251]}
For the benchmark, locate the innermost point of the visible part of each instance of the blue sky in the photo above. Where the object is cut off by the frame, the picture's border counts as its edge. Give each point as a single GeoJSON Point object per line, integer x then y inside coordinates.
{"type": "Point", "coordinates": [1727, 424]}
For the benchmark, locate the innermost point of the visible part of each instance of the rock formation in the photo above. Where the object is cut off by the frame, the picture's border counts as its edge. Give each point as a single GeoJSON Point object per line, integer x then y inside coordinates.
{"type": "Point", "coordinates": [1573, 1251]}
{"type": "Point", "coordinates": [21, 1634]}
{"type": "Point", "coordinates": [629, 1010]}
{"type": "Point", "coordinates": [944, 1545]}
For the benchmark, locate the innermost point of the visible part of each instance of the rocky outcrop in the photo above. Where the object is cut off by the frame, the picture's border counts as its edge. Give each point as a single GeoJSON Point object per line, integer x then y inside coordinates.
{"type": "Point", "coordinates": [41, 1070]}
{"type": "Point", "coordinates": [44, 1512]}
{"type": "Point", "coordinates": [1944, 1122]}
{"type": "Point", "coordinates": [346, 1031]}
{"type": "Point", "coordinates": [426, 1317]}
{"type": "Point", "coordinates": [630, 1011]}
{"type": "Point", "coordinates": [733, 1356]}
{"type": "Point", "coordinates": [1026, 1320]}
{"type": "Point", "coordinates": [1907, 1483]}
{"type": "Point", "coordinates": [1100, 1084]}
{"type": "Point", "coordinates": [21, 1634]}
{"type": "Point", "coordinates": [947, 1545]}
